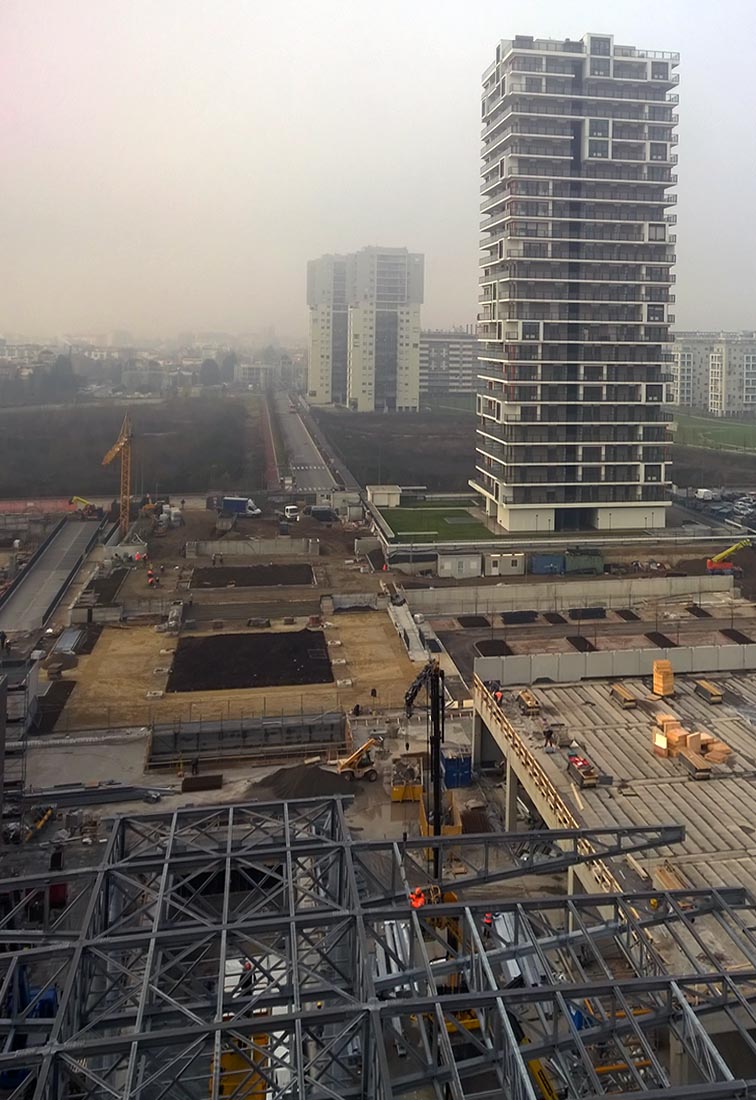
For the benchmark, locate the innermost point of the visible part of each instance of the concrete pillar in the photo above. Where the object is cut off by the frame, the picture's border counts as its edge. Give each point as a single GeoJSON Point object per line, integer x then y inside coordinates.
{"type": "Point", "coordinates": [477, 734]}
{"type": "Point", "coordinates": [510, 810]}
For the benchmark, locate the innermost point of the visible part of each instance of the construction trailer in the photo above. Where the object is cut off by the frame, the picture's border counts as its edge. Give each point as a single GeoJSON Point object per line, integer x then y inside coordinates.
{"type": "Point", "coordinates": [352, 993]}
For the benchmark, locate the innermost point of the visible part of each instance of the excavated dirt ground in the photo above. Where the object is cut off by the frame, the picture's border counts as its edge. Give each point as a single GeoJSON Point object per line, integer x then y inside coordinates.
{"type": "Point", "coordinates": [112, 683]}
{"type": "Point", "coordinates": [229, 661]}
{"type": "Point", "coordinates": [251, 576]}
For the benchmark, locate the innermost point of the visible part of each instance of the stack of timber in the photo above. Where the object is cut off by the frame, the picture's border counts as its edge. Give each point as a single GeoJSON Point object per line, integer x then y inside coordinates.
{"type": "Point", "coordinates": [664, 679]}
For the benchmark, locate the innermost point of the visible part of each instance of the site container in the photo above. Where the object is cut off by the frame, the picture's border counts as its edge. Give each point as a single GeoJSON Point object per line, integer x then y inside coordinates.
{"type": "Point", "coordinates": [543, 565]}
{"type": "Point", "coordinates": [503, 565]}
{"type": "Point", "coordinates": [584, 561]}
{"type": "Point", "coordinates": [457, 767]}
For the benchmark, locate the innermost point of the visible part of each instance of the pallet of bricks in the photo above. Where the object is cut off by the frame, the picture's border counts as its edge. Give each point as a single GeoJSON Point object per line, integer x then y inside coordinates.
{"type": "Point", "coordinates": [698, 749]}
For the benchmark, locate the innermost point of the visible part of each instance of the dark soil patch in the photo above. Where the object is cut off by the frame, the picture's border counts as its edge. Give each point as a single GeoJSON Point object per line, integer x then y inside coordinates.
{"type": "Point", "coordinates": [469, 621]}
{"type": "Point", "coordinates": [381, 448]}
{"type": "Point", "coordinates": [92, 632]}
{"type": "Point", "coordinates": [303, 781]}
{"type": "Point", "coordinates": [519, 616]}
{"type": "Point", "coordinates": [475, 821]}
{"type": "Point", "coordinates": [230, 661]}
{"type": "Point", "coordinates": [251, 576]}
{"type": "Point", "coordinates": [711, 469]}
{"type": "Point", "coordinates": [493, 647]}
{"type": "Point", "coordinates": [579, 614]}
{"type": "Point", "coordinates": [106, 588]}
{"type": "Point", "coordinates": [697, 611]}
{"type": "Point", "coordinates": [554, 618]}
{"type": "Point", "coordinates": [627, 615]}
{"type": "Point", "coordinates": [661, 640]}
{"type": "Point", "coordinates": [50, 705]}
{"type": "Point", "coordinates": [737, 636]}
{"type": "Point", "coordinates": [581, 644]}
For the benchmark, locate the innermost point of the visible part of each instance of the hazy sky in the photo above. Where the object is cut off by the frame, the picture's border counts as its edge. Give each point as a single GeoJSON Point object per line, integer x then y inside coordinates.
{"type": "Point", "coordinates": [172, 164]}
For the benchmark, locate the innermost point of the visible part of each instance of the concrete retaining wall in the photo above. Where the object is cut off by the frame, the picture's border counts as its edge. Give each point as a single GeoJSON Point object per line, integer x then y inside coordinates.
{"type": "Point", "coordinates": [250, 738]}
{"type": "Point", "coordinates": [563, 594]}
{"type": "Point", "coordinates": [95, 614]}
{"type": "Point", "coordinates": [282, 546]}
{"type": "Point", "coordinates": [365, 544]}
{"type": "Point", "coordinates": [563, 668]}
{"type": "Point", "coordinates": [371, 601]}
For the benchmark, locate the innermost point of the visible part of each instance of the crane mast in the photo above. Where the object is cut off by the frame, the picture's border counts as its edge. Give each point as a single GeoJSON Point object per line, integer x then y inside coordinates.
{"type": "Point", "coordinates": [122, 448]}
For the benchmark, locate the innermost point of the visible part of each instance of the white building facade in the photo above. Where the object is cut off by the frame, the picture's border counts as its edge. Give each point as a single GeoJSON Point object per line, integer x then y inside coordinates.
{"type": "Point", "coordinates": [364, 330]}
{"type": "Point", "coordinates": [448, 362]}
{"type": "Point", "coordinates": [715, 372]}
{"type": "Point", "coordinates": [578, 140]}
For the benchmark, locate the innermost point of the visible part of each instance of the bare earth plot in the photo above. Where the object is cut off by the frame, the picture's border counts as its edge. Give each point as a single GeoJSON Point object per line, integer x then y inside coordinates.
{"type": "Point", "coordinates": [251, 576]}
{"type": "Point", "coordinates": [116, 682]}
{"type": "Point", "coordinates": [228, 661]}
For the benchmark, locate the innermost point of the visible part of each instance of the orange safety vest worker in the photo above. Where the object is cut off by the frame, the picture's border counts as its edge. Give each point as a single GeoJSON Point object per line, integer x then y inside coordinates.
{"type": "Point", "coordinates": [488, 920]}
{"type": "Point", "coordinates": [417, 898]}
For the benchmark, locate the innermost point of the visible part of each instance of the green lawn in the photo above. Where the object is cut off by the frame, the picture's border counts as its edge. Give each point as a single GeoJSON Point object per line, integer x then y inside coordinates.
{"type": "Point", "coordinates": [448, 402]}
{"type": "Point", "coordinates": [716, 433]}
{"type": "Point", "coordinates": [435, 525]}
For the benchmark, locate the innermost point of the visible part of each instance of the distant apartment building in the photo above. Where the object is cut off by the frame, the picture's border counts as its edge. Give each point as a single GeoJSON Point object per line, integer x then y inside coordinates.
{"type": "Point", "coordinates": [715, 372]}
{"type": "Point", "coordinates": [364, 330]}
{"type": "Point", "coordinates": [256, 376]}
{"type": "Point", "coordinates": [328, 308]}
{"type": "Point", "coordinates": [578, 154]}
{"type": "Point", "coordinates": [448, 361]}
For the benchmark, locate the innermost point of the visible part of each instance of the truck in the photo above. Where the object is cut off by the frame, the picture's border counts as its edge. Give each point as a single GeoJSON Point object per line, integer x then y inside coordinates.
{"type": "Point", "coordinates": [240, 506]}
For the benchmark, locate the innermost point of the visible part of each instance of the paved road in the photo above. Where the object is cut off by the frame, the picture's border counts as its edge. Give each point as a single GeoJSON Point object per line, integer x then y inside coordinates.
{"type": "Point", "coordinates": [24, 609]}
{"type": "Point", "coordinates": [307, 466]}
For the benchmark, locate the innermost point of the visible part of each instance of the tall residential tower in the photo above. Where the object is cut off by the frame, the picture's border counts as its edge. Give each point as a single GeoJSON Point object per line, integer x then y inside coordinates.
{"type": "Point", "coordinates": [365, 329]}
{"type": "Point", "coordinates": [578, 140]}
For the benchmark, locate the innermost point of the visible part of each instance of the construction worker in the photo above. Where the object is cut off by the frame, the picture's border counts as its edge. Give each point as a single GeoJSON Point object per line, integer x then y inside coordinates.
{"type": "Point", "coordinates": [548, 739]}
{"type": "Point", "coordinates": [487, 925]}
{"type": "Point", "coordinates": [499, 696]}
{"type": "Point", "coordinates": [245, 982]}
{"type": "Point", "coordinates": [417, 898]}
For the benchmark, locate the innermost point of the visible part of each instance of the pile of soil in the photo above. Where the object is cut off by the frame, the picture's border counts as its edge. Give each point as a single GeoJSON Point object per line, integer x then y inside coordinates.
{"type": "Point", "coordinates": [303, 781]}
{"type": "Point", "coordinates": [468, 621]}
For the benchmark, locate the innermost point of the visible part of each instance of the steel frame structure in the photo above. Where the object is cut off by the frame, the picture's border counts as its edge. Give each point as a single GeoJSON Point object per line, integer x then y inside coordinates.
{"type": "Point", "coordinates": [148, 951]}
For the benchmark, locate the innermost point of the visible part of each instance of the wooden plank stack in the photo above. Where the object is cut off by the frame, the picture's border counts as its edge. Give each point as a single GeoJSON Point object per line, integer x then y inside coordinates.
{"type": "Point", "coordinates": [671, 739]}
{"type": "Point", "coordinates": [664, 679]}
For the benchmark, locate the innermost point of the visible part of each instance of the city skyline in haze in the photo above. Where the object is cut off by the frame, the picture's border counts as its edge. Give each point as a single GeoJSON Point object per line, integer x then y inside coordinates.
{"type": "Point", "coordinates": [172, 167]}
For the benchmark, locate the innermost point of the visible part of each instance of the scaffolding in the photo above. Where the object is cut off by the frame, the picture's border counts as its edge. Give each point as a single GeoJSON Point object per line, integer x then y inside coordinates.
{"type": "Point", "coordinates": [262, 952]}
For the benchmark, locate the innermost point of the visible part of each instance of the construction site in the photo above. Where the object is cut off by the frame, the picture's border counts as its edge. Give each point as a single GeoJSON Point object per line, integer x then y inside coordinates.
{"type": "Point", "coordinates": [483, 836]}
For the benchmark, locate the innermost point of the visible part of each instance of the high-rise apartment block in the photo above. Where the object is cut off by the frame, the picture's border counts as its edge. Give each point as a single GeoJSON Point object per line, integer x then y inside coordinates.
{"type": "Point", "coordinates": [448, 362]}
{"type": "Point", "coordinates": [715, 371]}
{"type": "Point", "coordinates": [578, 140]}
{"type": "Point", "coordinates": [364, 343]}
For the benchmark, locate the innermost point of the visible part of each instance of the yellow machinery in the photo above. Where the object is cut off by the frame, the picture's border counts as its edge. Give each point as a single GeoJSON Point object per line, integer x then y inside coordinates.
{"type": "Point", "coordinates": [720, 564]}
{"type": "Point", "coordinates": [237, 1077]}
{"type": "Point", "coordinates": [407, 778]}
{"type": "Point", "coordinates": [360, 765]}
{"type": "Point", "coordinates": [82, 503]}
{"type": "Point", "coordinates": [122, 447]}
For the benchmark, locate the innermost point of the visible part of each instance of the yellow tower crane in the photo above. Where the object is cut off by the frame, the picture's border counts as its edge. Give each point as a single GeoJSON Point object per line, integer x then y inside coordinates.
{"type": "Point", "coordinates": [122, 447]}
